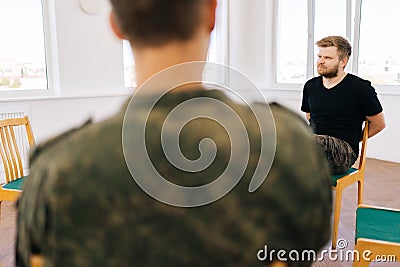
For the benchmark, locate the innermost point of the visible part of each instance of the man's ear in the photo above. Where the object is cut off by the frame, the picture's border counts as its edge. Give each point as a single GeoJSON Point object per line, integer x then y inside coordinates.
{"type": "Point", "coordinates": [212, 16]}
{"type": "Point", "coordinates": [115, 26]}
{"type": "Point", "coordinates": [344, 61]}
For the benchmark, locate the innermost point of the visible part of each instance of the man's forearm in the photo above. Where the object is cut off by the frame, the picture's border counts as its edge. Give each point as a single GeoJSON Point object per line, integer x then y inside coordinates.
{"type": "Point", "coordinates": [376, 124]}
{"type": "Point", "coordinates": [374, 129]}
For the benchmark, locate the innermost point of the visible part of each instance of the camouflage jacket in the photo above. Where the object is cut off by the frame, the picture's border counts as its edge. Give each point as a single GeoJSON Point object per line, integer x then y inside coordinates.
{"type": "Point", "coordinates": [81, 207]}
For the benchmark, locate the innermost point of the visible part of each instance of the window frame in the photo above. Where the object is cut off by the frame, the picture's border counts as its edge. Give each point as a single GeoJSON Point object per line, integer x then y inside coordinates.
{"type": "Point", "coordinates": [49, 44]}
{"type": "Point", "coordinates": [275, 47]}
{"type": "Point", "coordinates": [221, 32]}
{"type": "Point", "coordinates": [354, 38]}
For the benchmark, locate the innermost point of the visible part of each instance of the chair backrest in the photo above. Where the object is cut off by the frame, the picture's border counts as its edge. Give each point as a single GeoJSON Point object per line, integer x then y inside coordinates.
{"type": "Point", "coordinates": [9, 151]}
{"type": "Point", "coordinates": [363, 154]}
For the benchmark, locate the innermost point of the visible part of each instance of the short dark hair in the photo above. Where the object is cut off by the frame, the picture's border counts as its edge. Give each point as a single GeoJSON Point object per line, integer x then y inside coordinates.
{"type": "Point", "coordinates": [154, 22]}
{"type": "Point", "coordinates": [343, 46]}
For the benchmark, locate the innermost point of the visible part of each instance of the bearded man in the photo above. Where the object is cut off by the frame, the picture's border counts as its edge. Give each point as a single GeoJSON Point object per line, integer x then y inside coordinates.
{"type": "Point", "coordinates": [337, 103]}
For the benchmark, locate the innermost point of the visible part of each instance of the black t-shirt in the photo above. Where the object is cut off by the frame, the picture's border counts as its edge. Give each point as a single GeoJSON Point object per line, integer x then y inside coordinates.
{"type": "Point", "coordinates": [341, 110]}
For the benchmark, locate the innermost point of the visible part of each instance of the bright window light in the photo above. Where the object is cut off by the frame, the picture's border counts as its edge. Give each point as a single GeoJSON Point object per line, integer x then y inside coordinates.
{"type": "Point", "coordinates": [291, 41]}
{"type": "Point", "coordinates": [22, 49]}
{"type": "Point", "coordinates": [379, 59]}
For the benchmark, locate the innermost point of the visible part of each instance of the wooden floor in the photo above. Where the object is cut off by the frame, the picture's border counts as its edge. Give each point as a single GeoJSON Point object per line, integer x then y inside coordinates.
{"type": "Point", "coordinates": [382, 187]}
{"type": "Point", "coordinates": [7, 234]}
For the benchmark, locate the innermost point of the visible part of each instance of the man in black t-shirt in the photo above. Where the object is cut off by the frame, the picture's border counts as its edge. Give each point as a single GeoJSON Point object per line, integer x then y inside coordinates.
{"type": "Point", "coordinates": [337, 103]}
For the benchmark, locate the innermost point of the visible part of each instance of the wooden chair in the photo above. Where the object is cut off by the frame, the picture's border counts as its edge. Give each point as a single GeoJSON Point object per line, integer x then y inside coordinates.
{"type": "Point", "coordinates": [340, 182]}
{"type": "Point", "coordinates": [11, 157]}
{"type": "Point", "coordinates": [36, 261]}
{"type": "Point", "coordinates": [377, 235]}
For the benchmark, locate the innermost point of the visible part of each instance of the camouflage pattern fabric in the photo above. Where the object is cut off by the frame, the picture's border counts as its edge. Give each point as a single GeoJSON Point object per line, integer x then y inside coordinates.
{"type": "Point", "coordinates": [81, 207]}
{"type": "Point", "coordinates": [339, 153]}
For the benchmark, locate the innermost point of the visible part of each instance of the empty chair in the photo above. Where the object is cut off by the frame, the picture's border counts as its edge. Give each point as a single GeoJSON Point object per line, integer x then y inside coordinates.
{"type": "Point", "coordinates": [377, 235]}
{"type": "Point", "coordinates": [11, 156]}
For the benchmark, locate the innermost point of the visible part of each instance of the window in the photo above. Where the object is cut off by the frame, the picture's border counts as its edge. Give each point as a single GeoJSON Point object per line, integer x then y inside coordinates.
{"type": "Point", "coordinates": [218, 42]}
{"type": "Point", "coordinates": [292, 45]}
{"type": "Point", "coordinates": [129, 65]}
{"type": "Point", "coordinates": [329, 20]}
{"type": "Point", "coordinates": [379, 56]}
{"type": "Point", "coordinates": [22, 49]}
{"type": "Point", "coordinates": [216, 53]}
{"type": "Point", "coordinates": [300, 23]}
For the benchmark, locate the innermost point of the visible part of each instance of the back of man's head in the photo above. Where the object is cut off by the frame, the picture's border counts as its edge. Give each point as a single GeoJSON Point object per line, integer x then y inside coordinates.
{"type": "Point", "coordinates": [155, 22]}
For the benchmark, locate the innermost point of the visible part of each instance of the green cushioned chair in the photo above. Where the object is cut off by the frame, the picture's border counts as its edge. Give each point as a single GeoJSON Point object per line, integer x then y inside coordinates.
{"type": "Point", "coordinates": [11, 156]}
{"type": "Point", "coordinates": [377, 235]}
{"type": "Point", "coordinates": [336, 177]}
{"type": "Point", "coordinates": [16, 184]}
{"type": "Point", "coordinates": [340, 182]}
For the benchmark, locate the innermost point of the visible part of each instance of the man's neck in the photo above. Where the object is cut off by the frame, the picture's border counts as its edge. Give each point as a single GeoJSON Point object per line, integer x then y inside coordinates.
{"type": "Point", "coordinates": [151, 60]}
{"type": "Point", "coordinates": [333, 81]}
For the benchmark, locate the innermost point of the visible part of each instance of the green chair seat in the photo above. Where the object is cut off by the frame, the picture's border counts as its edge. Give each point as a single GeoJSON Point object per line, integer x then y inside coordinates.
{"type": "Point", "coordinates": [378, 224]}
{"type": "Point", "coordinates": [335, 178]}
{"type": "Point", "coordinates": [16, 184]}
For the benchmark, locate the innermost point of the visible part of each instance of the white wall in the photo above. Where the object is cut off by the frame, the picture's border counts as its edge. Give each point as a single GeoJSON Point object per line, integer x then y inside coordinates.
{"type": "Point", "coordinates": [90, 70]}
{"type": "Point", "coordinates": [249, 49]}
{"type": "Point", "coordinates": [52, 117]}
{"type": "Point", "coordinates": [89, 55]}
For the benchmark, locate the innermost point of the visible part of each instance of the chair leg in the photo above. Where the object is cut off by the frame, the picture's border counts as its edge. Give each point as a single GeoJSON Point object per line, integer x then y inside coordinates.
{"type": "Point", "coordinates": [360, 191]}
{"type": "Point", "coordinates": [361, 262]}
{"type": "Point", "coordinates": [336, 216]}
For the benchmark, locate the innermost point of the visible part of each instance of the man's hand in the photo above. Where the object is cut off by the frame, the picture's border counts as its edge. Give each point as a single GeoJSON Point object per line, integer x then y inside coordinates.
{"type": "Point", "coordinates": [308, 116]}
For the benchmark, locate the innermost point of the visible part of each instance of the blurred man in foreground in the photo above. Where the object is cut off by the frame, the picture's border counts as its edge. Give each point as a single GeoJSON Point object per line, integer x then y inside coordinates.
{"type": "Point", "coordinates": [82, 207]}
